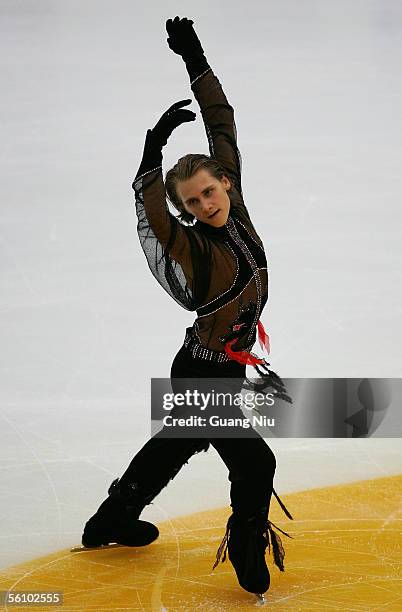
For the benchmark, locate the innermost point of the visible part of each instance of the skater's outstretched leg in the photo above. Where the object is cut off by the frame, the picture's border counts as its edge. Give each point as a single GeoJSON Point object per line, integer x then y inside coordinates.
{"type": "Point", "coordinates": [117, 518]}
{"type": "Point", "coordinates": [157, 462]}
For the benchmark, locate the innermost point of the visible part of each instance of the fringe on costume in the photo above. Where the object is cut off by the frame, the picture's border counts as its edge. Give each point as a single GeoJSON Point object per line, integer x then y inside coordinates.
{"type": "Point", "coordinates": [276, 543]}
{"type": "Point", "coordinates": [282, 505]}
{"type": "Point", "coordinates": [270, 380]}
{"type": "Point", "coordinates": [223, 546]}
{"type": "Point", "coordinates": [273, 539]}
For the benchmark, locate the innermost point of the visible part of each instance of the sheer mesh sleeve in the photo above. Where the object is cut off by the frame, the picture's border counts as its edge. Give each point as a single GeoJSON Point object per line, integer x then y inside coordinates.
{"type": "Point", "coordinates": [220, 126]}
{"type": "Point", "coordinates": [164, 240]}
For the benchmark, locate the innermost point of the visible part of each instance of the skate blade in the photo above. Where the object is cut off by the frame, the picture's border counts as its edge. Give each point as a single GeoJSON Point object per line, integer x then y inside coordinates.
{"type": "Point", "coordinates": [101, 547]}
{"type": "Point", "coordinates": [261, 601]}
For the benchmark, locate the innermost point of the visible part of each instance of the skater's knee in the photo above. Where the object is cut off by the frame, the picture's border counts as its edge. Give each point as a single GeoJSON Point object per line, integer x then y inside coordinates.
{"type": "Point", "coordinates": [268, 459]}
{"type": "Point", "coordinates": [254, 455]}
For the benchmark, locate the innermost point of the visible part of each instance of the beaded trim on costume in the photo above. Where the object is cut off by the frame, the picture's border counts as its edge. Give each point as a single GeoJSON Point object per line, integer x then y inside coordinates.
{"type": "Point", "coordinates": [145, 173]}
{"type": "Point", "coordinates": [238, 240]}
{"type": "Point", "coordinates": [199, 351]}
{"type": "Point", "coordinates": [199, 76]}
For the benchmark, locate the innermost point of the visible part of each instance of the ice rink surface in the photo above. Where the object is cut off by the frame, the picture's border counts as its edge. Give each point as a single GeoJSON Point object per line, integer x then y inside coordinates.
{"type": "Point", "coordinates": [316, 88]}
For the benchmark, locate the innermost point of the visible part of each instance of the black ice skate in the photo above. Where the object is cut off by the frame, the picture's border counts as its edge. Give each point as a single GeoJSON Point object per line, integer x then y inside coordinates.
{"type": "Point", "coordinates": [116, 521]}
{"type": "Point", "coordinates": [246, 540]}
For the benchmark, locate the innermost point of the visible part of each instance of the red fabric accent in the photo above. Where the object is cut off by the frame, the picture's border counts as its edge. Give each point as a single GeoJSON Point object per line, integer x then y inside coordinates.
{"type": "Point", "coordinates": [241, 356]}
{"type": "Point", "coordinates": [263, 337]}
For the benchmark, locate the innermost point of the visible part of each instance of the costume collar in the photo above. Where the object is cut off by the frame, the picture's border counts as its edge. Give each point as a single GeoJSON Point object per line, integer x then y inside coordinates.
{"type": "Point", "coordinates": [211, 230]}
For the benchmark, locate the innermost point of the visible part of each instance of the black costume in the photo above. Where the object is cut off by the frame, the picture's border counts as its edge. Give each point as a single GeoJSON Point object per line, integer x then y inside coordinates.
{"type": "Point", "coordinates": [222, 274]}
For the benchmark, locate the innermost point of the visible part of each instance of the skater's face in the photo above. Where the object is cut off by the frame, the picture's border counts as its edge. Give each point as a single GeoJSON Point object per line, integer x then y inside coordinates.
{"type": "Point", "coordinates": [206, 197]}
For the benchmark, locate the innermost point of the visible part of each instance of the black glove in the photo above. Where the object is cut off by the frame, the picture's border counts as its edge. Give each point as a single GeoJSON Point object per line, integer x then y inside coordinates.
{"type": "Point", "coordinates": [184, 41]}
{"type": "Point", "coordinates": [158, 136]}
{"type": "Point", "coordinates": [182, 38]}
{"type": "Point", "coordinates": [171, 119]}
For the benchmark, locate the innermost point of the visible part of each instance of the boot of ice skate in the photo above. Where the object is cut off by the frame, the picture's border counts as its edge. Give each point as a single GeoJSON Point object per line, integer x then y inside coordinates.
{"type": "Point", "coordinates": [116, 520]}
{"type": "Point", "coordinates": [248, 534]}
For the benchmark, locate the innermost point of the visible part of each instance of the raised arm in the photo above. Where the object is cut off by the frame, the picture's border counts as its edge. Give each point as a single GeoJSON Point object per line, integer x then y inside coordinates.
{"type": "Point", "coordinates": [164, 240]}
{"type": "Point", "coordinates": [217, 113]}
{"type": "Point", "coordinates": [149, 179]}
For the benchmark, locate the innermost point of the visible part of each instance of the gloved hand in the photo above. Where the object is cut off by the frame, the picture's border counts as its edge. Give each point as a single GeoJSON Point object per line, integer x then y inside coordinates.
{"type": "Point", "coordinates": [182, 38]}
{"type": "Point", "coordinates": [171, 119]}
{"type": "Point", "coordinates": [158, 136]}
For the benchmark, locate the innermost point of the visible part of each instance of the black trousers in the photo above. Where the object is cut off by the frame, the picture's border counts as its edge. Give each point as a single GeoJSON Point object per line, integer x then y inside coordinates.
{"type": "Point", "coordinates": [250, 461]}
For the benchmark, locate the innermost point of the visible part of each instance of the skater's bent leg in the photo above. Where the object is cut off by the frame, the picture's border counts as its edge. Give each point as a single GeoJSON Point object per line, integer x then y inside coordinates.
{"type": "Point", "coordinates": [251, 464]}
